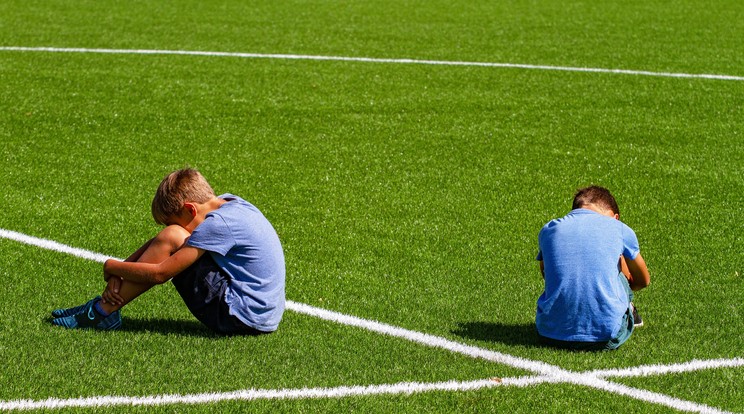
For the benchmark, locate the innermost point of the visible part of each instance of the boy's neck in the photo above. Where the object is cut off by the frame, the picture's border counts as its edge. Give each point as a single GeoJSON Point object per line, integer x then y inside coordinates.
{"type": "Point", "coordinates": [211, 206]}
{"type": "Point", "coordinates": [601, 210]}
{"type": "Point", "coordinates": [195, 213]}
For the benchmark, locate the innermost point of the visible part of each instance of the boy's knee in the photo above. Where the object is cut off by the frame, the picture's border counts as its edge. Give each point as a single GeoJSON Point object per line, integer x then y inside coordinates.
{"type": "Point", "coordinates": [174, 235]}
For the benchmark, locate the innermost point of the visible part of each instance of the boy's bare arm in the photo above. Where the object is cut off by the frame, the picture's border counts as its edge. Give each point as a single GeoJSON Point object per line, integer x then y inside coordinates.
{"type": "Point", "coordinates": [639, 276]}
{"type": "Point", "coordinates": [154, 273]}
{"type": "Point", "coordinates": [136, 255]}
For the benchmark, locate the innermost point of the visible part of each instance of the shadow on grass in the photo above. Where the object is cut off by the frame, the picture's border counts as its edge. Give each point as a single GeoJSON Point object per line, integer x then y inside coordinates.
{"type": "Point", "coordinates": [167, 327]}
{"type": "Point", "coordinates": [508, 334]}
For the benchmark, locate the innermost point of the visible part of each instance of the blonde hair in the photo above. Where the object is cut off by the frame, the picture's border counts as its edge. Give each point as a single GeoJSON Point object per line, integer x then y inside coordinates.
{"type": "Point", "coordinates": [177, 188]}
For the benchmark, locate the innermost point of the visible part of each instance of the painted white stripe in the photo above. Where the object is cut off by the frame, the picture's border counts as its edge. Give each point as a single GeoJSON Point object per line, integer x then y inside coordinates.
{"type": "Point", "coordinates": [267, 394]}
{"type": "Point", "coordinates": [406, 388]}
{"type": "Point", "coordinates": [548, 373]}
{"type": "Point", "coordinates": [429, 340]}
{"type": "Point", "coordinates": [644, 395]}
{"type": "Point", "coordinates": [373, 60]}
{"type": "Point", "coordinates": [648, 370]}
{"type": "Point", "coordinates": [53, 245]}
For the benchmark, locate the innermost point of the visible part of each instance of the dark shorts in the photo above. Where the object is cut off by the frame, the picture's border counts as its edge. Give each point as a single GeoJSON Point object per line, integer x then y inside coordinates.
{"type": "Point", "coordinates": [202, 287]}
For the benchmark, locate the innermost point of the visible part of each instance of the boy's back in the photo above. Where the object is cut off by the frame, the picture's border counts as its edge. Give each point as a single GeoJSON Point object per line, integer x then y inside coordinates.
{"type": "Point", "coordinates": [245, 245]}
{"type": "Point", "coordinates": [584, 298]}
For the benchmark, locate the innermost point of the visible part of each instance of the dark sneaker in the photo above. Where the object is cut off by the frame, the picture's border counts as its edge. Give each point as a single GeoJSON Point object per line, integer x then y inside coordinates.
{"type": "Point", "coordinates": [58, 313]}
{"type": "Point", "coordinates": [90, 318]}
{"type": "Point", "coordinates": [637, 321]}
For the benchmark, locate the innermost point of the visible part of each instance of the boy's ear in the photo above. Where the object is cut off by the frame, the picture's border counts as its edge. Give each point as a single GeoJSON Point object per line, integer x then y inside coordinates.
{"type": "Point", "coordinates": [190, 208]}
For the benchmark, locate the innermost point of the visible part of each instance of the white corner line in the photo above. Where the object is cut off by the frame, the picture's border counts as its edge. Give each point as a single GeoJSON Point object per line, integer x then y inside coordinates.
{"type": "Point", "coordinates": [371, 60]}
{"type": "Point", "coordinates": [546, 372]}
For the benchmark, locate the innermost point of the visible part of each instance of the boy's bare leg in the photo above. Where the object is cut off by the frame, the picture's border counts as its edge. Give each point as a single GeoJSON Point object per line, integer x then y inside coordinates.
{"type": "Point", "coordinates": [157, 250]}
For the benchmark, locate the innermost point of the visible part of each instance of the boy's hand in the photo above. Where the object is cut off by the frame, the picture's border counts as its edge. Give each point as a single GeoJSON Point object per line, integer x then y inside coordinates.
{"type": "Point", "coordinates": [111, 293]}
{"type": "Point", "coordinates": [639, 273]}
{"type": "Point", "coordinates": [625, 270]}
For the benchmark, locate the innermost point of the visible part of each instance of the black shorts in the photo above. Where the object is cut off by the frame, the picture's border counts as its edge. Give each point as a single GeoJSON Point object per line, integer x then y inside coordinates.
{"type": "Point", "coordinates": [202, 287]}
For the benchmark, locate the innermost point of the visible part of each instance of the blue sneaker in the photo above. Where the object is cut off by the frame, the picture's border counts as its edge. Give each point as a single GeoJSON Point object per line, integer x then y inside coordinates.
{"type": "Point", "coordinates": [90, 318]}
{"type": "Point", "coordinates": [58, 313]}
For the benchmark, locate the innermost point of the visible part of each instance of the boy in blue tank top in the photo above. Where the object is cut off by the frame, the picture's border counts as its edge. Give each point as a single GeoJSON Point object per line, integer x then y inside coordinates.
{"type": "Point", "coordinates": [591, 263]}
{"type": "Point", "coordinates": [222, 254]}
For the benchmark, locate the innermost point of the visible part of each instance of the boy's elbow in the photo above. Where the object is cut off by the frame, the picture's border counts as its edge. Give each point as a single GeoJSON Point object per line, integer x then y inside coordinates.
{"type": "Point", "coordinates": [161, 277]}
{"type": "Point", "coordinates": [640, 283]}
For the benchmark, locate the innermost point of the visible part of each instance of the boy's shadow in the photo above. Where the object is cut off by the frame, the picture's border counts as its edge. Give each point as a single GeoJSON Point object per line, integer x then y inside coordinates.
{"type": "Point", "coordinates": [508, 334]}
{"type": "Point", "coordinates": [166, 327]}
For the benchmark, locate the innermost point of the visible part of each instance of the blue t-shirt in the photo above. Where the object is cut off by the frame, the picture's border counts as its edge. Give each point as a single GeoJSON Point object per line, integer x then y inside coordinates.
{"type": "Point", "coordinates": [245, 245]}
{"type": "Point", "coordinates": [584, 299]}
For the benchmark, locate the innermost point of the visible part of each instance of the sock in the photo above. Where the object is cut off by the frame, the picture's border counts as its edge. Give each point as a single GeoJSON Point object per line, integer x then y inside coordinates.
{"type": "Point", "coordinates": [99, 309]}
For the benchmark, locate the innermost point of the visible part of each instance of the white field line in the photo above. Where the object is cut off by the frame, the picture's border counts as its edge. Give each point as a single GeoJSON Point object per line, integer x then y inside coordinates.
{"type": "Point", "coordinates": [403, 388]}
{"type": "Point", "coordinates": [371, 60]}
{"type": "Point", "coordinates": [431, 340]}
{"type": "Point", "coordinates": [547, 372]}
{"type": "Point", "coordinates": [53, 245]}
{"type": "Point", "coordinates": [644, 395]}
{"type": "Point", "coordinates": [280, 394]}
{"type": "Point", "coordinates": [649, 370]}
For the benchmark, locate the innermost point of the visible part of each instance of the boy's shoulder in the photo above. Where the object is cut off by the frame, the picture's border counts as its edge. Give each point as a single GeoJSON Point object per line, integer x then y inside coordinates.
{"type": "Point", "coordinates": [231, 197]}
{"type": "Point", "coordinates": [237, 210]}
{"type": "Point", "coordinates": [582, 218]}
{"type": "Point", "coordinates": [223, 226]}
{"type": "Point", "coordinates": [571, 217]}
{"type": "Point", "coordinates": [233, 202]}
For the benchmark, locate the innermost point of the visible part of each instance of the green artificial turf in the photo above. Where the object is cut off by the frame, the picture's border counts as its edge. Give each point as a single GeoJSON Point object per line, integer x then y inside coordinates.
{"type": "Point", "coordinates": [404, 193]}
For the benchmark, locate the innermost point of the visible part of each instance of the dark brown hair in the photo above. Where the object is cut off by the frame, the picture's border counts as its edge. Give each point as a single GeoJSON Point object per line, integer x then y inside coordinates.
{"type": "Point", "coordinates": [599, 196]}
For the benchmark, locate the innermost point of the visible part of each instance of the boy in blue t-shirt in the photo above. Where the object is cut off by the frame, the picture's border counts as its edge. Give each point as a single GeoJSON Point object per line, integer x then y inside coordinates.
{"type": "Point", "coordinates": [223, 255]}
{"type": "Point", "coordinates": [591, 263]}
